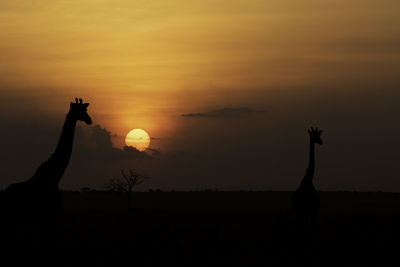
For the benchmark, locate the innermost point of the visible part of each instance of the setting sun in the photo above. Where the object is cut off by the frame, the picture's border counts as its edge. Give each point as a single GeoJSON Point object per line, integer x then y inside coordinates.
{"type": "Point", "coordinates": [138, 139]}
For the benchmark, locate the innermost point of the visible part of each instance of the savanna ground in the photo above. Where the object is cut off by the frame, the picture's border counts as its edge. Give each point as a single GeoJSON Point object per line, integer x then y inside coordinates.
{"type": "Point", "coordinates": [225, 228]}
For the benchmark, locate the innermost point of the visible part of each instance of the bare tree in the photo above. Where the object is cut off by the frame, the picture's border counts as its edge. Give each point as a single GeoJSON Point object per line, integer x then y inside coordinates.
{"type": "Point", "coordinates": [126, 183]}
{"type": "Point", "coordinates": [116, 185]}
{"type": "Point", "coordinates": [132, 179]}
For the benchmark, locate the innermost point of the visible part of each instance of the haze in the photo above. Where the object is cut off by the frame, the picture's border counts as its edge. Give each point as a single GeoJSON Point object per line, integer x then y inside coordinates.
{"type": "Point", "coordinates": [226, 89]}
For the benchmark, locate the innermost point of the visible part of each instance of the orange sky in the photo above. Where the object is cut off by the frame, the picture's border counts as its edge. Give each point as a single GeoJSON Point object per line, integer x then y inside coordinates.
{"type": "Point", "coordinates": [141, 61]}
{"type": "Point", "coordinates": [257, 73]}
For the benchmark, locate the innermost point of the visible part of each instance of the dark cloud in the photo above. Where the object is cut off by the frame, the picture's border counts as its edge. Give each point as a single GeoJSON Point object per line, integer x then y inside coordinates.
{"type": "Point", "coordinates": [153, 151]}
{"type": "Point", "coordinates": [201, 115]}
{"type": "Point", "coordinates": [239, 112]}
{"type": "Point", "coordinates": [95, 160]}
{"type": "Point", "coordinates": [96, 143]}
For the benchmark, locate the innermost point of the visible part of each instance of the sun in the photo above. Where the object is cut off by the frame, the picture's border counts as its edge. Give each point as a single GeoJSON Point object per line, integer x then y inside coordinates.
{"type": "Point", "coordinates": [138, 139]}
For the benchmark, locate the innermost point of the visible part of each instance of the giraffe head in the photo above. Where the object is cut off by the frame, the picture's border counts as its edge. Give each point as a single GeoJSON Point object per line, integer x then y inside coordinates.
{"type": "Point", "coordinates": [79, 111]}
{"type": "Point", "coordinates": [315, 135]}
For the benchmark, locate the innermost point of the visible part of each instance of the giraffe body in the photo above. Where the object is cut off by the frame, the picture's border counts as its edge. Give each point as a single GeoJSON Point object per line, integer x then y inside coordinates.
{"type": "Point", "coordinates": [306, 200]}
{"type": "Point", "coordinates": [37, 200]}
{"type": "Point", "coordinates": [30, 201]}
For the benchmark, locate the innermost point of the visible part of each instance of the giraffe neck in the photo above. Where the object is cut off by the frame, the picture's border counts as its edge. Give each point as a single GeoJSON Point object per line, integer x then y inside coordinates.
{"type": "Point", "coordinates": [50, 172]}
{"type": "Point", "coordinates": [308, 178]}
{"type": "Point", "coordinates": [311, 161]}
{"type": "Point", "coordinates": [64, 147]}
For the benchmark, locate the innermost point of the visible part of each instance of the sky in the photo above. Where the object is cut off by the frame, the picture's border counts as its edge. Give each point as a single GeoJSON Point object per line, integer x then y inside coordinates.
{"type": "Point", "coordinates": [225, 89]}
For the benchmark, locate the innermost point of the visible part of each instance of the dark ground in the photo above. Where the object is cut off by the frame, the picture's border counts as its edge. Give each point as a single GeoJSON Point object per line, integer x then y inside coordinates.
{"type": "Point", "coordinates": [225, 228]}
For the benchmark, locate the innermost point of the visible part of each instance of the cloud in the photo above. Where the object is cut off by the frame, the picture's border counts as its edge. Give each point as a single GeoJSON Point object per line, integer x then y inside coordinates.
{"type": "Point", "coordinates": [95, 160]}
{"type": "Point", "coordinates": [153, 151]}
{"type": "Point", "coordinates": [239, 112]}
{"type": "Point", "coordinates": [96, 143]}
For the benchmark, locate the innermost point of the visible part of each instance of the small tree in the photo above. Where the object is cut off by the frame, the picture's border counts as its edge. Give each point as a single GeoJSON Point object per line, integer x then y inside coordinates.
{"type": "Point", "coordinates": [126, 183]}
{"type": "Point", "coordinates": [115, 185]}
{"type": "Point", "coordinates": [131, 180]}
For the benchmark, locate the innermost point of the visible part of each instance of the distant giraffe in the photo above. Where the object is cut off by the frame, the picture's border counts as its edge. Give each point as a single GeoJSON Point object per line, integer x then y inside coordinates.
{"type": "Point", "coordinates": [306, 198]}
{"type": "Point", "coordinates": [37, 200]}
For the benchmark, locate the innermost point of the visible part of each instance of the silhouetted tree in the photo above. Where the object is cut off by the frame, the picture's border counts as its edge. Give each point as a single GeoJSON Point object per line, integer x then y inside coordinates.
{"type": "Point", "coordinates": [132, 179]}
{"type": "Point", "coordinates": [115, 185]}
{"type": "Point", "coordinates": [126, 183]}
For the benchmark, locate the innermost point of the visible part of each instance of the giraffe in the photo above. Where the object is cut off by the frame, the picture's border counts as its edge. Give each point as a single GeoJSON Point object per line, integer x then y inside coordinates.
{"type": "Point", "coordinates": [37, 200]}
{"type": "Point", "coordinates": [305, 202]}
{"type": "Point", "coordinates": [306, 198]}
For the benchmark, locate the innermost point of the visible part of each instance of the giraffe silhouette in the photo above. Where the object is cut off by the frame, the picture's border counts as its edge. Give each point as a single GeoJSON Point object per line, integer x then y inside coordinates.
{"type": "Point", "coordinates": [306, 198]}
{"type": "Point", "coordinates": [305, 202]}
{"type": "Point", "coordinates": [36, 201]}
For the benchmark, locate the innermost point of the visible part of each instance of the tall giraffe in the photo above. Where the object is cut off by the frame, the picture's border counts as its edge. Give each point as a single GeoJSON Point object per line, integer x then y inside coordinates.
{"type": "Point", "coordinates": [37, 200]}
{"type": "Point", "coordinates": [306, 198]}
